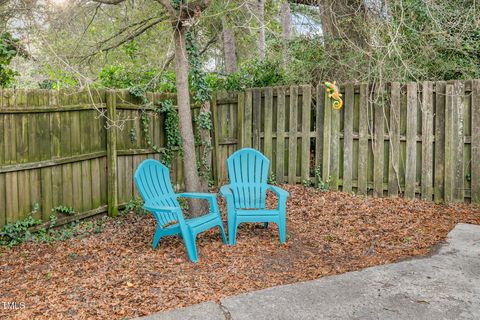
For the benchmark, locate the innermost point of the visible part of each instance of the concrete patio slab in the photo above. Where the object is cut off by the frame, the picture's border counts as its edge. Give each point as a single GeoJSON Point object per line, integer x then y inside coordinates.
{"type": "Point", "coordinates": [207, 310]}
{"type": "Point", "coordinates": [443, 285]}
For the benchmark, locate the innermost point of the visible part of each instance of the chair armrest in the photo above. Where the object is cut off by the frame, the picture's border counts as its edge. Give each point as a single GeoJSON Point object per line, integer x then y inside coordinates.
{"type": "Point", "coordinates": [199, 195]}
{"type": "Point", "coordinates": [211, 197]}
{"type": "Point", "coordinates": [226, 191]}
{"type": "Point", "coordinates": [155, 208]}
{"type": "Point", "coordinates": [278, 191]}
{"type": "Point", "coordinates": [282, 197]}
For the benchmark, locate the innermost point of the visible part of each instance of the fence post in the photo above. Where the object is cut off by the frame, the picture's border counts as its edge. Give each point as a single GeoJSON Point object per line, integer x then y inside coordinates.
{"type": "Point", "coordinates": [215, 162]}
{"type": "Point", "coordinates": [475, 141]}
{"type": "Point", "coordinates": [112, 184]}
{"type": "Point", "coordinates": [327, 137]}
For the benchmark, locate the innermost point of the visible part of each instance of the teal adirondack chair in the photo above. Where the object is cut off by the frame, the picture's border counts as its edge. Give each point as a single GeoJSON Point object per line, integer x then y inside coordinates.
{"type": "Point", "coordinates": [246, 194]}
{"type": "Point", "coordinates": [153, 182]}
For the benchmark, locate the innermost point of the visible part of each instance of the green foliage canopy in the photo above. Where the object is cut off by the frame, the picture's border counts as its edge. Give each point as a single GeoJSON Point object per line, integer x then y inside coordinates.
{"type": "Point", "coordinates": [8, 50]}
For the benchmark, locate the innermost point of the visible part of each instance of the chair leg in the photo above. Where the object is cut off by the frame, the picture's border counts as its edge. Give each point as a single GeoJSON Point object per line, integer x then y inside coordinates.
{"type": "Point", "coordinates": [189, 240]}
{"type": "Point", "coordinates": [156, 238]}
{"type": "Point", "coordinates": [222, 231]}
{"type": "Point", "coordinates": [265, 225]}
{"type": "Point", "coordinates": [282, 227]}
{"type": "Point", "coordinates": [232, 232]}
{"type": "Point", "coordinates": [191, 247]}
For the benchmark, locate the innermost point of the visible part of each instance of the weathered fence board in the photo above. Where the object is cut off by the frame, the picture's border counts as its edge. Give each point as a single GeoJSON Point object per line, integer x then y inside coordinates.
{"type": "Point", "coordinates": [378, 149]}
{"type": "Point", "coordinates": [427, 140]}
{"type": "Point", "coordinates": [439, 155]}
{"type": "Point", "coordinates": [449, 144]}
{"type": "Point", "coordinates": [363, 141]}
{"type": "Point", "coordinates": [475, 176]}
{"type": "Point", "coordinates": [305, 144]}
{"type": "Point", "coordinates": [268, 124]}
{"type": "Point", "coordinates": [458, 140]}
{"type": "Point", "coordinates": [348, 138]}
{"type": "Point", "coordinates": [394, 136]}
{"type": "Point", "coordinates": [280, 135]}
{"type": "Point", "coordinates": [292, 136]}
{"type": "Point", "coordinates": [319, 125]}
{"type": "Point", "coordinates": [335, 148]}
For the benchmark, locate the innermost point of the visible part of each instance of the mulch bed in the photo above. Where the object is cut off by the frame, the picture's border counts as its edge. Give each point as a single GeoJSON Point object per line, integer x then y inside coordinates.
{"type": "Point", "coordinates": [116, 274]}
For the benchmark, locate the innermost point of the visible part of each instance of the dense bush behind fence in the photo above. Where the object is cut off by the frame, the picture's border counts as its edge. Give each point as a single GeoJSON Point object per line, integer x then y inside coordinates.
{"type": "Point", "coordinates": [416, 140]}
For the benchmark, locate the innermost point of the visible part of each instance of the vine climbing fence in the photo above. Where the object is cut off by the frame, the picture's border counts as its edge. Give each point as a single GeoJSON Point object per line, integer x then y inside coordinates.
{"type": "Point", "coordinates": [413, 140]}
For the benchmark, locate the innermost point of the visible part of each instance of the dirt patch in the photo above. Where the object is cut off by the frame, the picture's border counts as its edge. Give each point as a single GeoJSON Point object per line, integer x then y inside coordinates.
{"type": "Point", "coordinates": [116, 274]}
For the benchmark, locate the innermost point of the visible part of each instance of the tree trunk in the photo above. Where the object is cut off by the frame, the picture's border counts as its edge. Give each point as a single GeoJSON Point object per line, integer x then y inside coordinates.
{"type": "Point", "coordinates": [192, 179]}
{"type": "Point", "coordinates": [229, 49]}
{"type": "Point", "coordinates": [345, 28]}
{"type": "Point", "coordinates": [346, 20]}
{"type": "Point", "coordinates": [261, 28]}
{"type": "Point", "coordinates": [286, 20]}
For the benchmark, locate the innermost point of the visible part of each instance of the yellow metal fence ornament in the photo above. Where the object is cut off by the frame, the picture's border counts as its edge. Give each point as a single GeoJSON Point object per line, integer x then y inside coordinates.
{"type": "Point", "coordinates": [334, 94]}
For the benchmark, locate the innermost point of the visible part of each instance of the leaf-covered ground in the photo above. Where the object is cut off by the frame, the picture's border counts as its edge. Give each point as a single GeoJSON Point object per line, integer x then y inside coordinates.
{"type": "Point", "coordinates": [115, 274]}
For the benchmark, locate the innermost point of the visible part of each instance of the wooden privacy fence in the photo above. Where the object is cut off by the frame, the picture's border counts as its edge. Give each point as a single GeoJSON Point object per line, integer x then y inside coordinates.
{"type": "Point", "coordinates": [418, 139]}
{"type": "Point", "coordinates": [55, 150]}
{"type": "Point", "coordinates": [414, 139]}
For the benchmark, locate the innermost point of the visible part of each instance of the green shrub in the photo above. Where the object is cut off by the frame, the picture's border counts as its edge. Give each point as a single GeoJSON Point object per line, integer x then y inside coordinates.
{"type": "Point", "coordinates": [123, 77]}
{"type": "Point", "coordinates": [14, 233]}
{"type": "Point", "coordinates": [69, 211]}
{"type": "Point", "coordinates": [254, 73]}
{"type": "Point", "coordinates": [135, 204]}
{"type": "Point", "coordinates": [321, 184]}
{"type": "Point", "coordinates": [8, 50]}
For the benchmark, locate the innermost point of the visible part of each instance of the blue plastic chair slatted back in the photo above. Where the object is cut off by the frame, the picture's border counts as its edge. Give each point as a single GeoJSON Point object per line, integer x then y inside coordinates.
{"type": "Point", "coordinates": [247, 171]}
{"type": "Point", "coordinates": [153, 183]}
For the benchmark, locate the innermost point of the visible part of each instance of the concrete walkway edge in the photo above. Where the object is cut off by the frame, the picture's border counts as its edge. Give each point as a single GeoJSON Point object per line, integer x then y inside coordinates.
{"type": "Point", "coordinates": [443, 285]}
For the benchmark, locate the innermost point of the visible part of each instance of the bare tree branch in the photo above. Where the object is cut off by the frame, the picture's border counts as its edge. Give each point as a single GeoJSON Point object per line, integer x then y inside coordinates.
{"type": "Point", "coordinates": [141, 28]}
{"type": "Point", "coordinates": [137, 24]}
{"type": "Point", "coordinates": [88, 25]}
{"type": "Point", "coordinates": [134, 35]}
{"type": "Point", "coordinates": [208, 44]}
